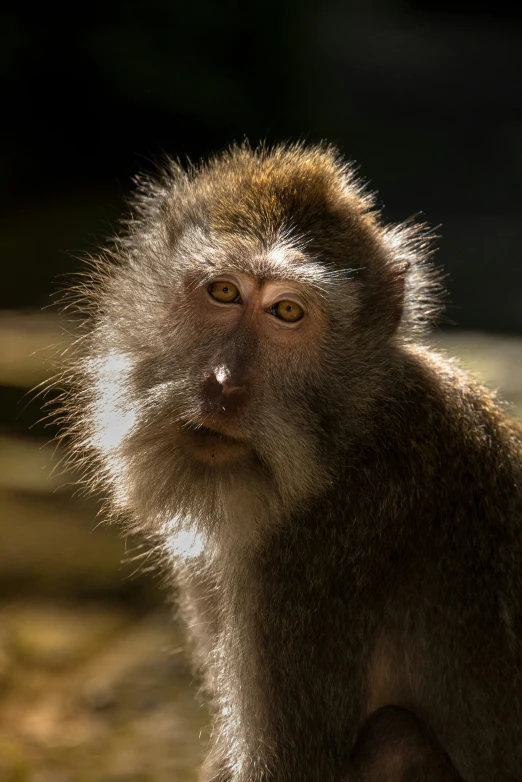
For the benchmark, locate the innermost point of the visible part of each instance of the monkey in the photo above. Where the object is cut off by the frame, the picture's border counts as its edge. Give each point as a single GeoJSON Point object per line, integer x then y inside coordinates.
{"type": "Point", "coordinates": [338, 504]}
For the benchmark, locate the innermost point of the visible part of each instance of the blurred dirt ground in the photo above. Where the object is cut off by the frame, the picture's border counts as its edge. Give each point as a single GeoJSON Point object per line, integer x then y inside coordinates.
{"type": "Point", "coordinates": [94, 681]}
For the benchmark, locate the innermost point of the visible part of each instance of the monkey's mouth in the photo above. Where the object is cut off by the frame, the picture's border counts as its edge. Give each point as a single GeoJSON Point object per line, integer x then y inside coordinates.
{"type": "Point", "coordinates": [207, 432]}
{"type": "Point", "coordinates": [212, 445]}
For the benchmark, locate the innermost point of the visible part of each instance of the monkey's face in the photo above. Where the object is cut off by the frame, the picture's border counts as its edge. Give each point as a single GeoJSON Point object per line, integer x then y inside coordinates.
{"type": "Point", "coordinates": [238, 339]}
{"type": "Point", "coordinates": [218, 388]}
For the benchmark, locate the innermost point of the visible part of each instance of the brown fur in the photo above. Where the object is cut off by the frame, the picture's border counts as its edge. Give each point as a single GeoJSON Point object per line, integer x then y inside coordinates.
{"type": "Point", "coordinates": [365, 549]}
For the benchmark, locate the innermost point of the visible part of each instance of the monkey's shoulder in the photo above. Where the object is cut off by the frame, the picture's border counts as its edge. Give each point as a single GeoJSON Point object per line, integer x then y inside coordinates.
{"type": "Point", "coordinates": [459, 402]}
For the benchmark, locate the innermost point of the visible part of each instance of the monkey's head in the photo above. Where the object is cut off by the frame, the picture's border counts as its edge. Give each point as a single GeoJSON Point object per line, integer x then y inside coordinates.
{"type": "Point", "coordinates": [241, 334]}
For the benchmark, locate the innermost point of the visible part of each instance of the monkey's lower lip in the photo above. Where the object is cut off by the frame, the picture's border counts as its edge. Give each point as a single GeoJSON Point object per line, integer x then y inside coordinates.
{"type": "Point", "coordinates": [211, 446]}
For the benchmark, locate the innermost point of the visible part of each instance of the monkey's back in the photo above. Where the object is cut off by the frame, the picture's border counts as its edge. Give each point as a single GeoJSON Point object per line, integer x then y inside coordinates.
{"type": "Point", "coordinates": [440, 493]}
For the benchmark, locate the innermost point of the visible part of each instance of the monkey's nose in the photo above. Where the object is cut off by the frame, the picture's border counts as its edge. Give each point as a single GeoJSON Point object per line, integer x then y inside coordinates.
{"type": "Point", "coordinates": [223, 395]}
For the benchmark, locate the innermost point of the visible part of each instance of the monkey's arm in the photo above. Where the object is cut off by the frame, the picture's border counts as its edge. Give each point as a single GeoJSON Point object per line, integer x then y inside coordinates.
{"type": "Point", "coordinates": [394, 745]}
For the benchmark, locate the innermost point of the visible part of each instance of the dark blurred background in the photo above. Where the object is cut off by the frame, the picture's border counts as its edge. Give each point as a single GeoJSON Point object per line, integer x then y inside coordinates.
{"type": "Point", "coordinates": [425, 97]}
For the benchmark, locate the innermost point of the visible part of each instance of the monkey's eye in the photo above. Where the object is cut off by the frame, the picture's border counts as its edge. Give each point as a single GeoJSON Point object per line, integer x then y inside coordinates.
{"type": "Point", "coordinates": [226, 292]}
{"type": "Point", "coordinates": [287, 310]}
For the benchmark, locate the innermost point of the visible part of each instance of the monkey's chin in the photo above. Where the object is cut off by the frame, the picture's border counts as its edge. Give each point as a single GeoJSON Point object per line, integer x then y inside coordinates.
{"type": "Point", "coordinates": [213, 448]}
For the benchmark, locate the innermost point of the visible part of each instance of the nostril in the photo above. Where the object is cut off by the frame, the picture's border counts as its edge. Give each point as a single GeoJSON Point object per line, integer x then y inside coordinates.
{"type": "Point", "coordinates": [225, 395]}
{"type": "Point", "coordinates": [227, 389]}
{"type": "Point", "coordinates": [212, 389]}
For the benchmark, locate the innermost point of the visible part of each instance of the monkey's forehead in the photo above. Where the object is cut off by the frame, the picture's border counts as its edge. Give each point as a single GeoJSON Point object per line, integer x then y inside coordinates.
{"type": "Point", "coordinates": [308, 192]}
{"type": "Point", "coordinates": [204, 255]}
{"type": "Point", "coordinates": [271, 232]}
